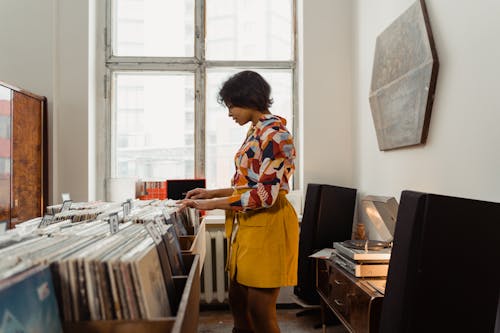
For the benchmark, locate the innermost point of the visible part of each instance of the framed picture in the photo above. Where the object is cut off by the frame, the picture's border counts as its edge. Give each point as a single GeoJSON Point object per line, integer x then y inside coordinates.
{"type": "Point", "coordinates": [405, 68]}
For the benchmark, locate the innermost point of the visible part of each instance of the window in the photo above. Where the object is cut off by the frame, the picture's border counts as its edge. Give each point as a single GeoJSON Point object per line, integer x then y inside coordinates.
{"type": "Point", "coordinates": [166, 60]}
{"type": "Point", "coordinates": [152, 137]}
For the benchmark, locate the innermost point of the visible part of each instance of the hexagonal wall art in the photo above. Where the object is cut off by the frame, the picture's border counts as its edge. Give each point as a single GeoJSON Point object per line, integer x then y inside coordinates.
{"type": "Point", "coordinates": [404, 76]}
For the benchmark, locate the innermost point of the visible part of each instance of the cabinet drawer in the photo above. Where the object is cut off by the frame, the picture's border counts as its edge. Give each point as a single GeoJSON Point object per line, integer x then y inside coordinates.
{"type": "Point", "coordinates": [358, 302]}
{"type": "Point", "coordinates": [354, 302]}
{"type": "Point", "coordinates": [339, 291]}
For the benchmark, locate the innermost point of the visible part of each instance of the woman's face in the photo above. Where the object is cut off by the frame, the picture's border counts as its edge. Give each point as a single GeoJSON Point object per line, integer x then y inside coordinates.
{"type": "Point", "coordinates": [241, 115]}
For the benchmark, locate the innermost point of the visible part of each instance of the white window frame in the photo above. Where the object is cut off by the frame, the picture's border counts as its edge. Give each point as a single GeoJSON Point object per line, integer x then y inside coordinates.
{"type": "Point", "coordinates": [197, 65]}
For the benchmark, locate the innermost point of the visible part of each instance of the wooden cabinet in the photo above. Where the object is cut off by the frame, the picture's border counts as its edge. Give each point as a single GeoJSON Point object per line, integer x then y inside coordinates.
{"type": "Point", "coordinates": [351, 299]}
{"type": "Point", "coordinates": [23, 155]}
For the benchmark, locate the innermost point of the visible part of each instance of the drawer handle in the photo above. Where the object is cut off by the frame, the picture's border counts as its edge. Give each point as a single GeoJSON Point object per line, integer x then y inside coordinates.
{"type": "Point", "coordinates": [339, 303]}
{"type": "Point", "coordinates": [338, 282]}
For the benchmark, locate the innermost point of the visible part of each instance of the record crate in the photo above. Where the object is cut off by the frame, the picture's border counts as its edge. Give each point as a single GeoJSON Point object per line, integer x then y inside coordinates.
{"type": "Point", "coordinates": [184, 321]}
{"type": "Point", "coordinates": [194, 243]}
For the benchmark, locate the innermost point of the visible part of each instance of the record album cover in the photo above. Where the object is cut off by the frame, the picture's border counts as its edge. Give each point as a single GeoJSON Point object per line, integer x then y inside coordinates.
{"type": "Point", "coordinates": [28, 303]}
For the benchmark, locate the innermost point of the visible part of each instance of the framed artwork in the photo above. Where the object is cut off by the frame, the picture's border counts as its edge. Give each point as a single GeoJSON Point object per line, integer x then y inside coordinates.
{"type": "Point", "coordinates": [404, 75]}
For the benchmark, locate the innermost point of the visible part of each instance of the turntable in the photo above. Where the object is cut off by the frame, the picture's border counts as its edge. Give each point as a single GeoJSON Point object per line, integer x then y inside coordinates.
{"type": "Point", "coordinates": [361, 269]}
{"type": "Point", "coordinates": [364, 250]}
{"type": "Point", "coordinates": [370, 258]}
{"type": "Point", "coordinates": [363, 258]}
{"type": "Point", "coordinates": [378, 215]}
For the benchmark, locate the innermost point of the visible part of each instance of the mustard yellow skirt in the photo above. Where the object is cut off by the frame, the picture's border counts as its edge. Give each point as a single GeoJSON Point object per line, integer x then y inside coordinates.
{"type": "Point", "coordinates": [264, 251]}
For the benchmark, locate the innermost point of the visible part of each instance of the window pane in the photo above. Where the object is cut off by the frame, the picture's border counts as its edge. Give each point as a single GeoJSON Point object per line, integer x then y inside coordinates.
{"type": "Point", "coordinates": [154, 125]}
{"type": "Point", "coordinates": [153, 28]}
{"type": "Point", "coordinates": [223, 135]}
{"type": "Point", "coordinates": [249, 30]}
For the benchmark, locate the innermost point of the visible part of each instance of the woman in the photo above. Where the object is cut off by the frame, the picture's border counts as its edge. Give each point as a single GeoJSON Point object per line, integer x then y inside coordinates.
{"type": "Point", "coordinates": [261, 225]}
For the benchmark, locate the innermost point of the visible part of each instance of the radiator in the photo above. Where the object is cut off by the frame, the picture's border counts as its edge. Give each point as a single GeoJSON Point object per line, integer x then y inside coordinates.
{"type": "Point", "coordinates": [214, 278]}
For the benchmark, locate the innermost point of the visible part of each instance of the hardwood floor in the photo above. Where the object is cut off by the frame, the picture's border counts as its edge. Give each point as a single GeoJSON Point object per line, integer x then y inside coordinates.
{"type": "Point", "coordinates": [220, 321]}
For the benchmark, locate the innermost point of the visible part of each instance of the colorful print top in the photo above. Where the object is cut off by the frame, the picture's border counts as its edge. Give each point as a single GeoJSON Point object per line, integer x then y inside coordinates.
{"type": "Point", "coordinates": [264, 164]}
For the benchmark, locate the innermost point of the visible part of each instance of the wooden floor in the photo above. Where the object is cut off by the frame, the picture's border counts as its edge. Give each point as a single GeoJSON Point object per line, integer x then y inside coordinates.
{"type": "Point", "coordinates": [220, 321]}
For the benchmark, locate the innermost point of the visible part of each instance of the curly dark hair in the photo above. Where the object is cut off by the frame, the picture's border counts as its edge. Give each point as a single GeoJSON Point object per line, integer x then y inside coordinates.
{"type": "Point", "coordinates": [246, 89]}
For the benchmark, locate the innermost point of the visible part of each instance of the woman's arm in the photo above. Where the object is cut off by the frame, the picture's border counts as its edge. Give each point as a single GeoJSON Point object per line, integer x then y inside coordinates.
{"type": "Point", "coordinates": [206, 204]}
{"type": "Point", "coordinates": [222, 192]}
{"type": "Point", "coordinates": [201, 193]}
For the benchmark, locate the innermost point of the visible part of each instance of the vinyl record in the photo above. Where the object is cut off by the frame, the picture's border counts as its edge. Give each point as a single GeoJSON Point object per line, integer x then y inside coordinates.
{"type": "Point", "coordinates": [360, 244]}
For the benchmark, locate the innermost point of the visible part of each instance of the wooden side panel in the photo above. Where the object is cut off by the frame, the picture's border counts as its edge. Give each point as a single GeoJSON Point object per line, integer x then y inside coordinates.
{"type": "Point", "coordinates": [5, 153]}
{"type": "Point", "coordinates": [27, 158]}
{"type": "Point", "coordinates": [188, 314]}
{"type": "Point", "coordinates": [195, 244]}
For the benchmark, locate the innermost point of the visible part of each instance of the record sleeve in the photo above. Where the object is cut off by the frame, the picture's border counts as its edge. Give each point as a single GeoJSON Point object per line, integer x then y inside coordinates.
{"type": "Point", "coordinates": [150, 284]}
{"type": "Point", "coordinates": [179, 226]}
{"type": "Point", "coordinates": [28, 302]}
{"type": "Point", "coordinates": [129, 291]}
{"type": "Point", "coordinates": [174, 251]}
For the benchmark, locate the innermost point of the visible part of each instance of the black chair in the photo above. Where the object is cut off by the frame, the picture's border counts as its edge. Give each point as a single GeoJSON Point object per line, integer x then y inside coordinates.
{"type": "Point", "coordinates": [443, 273]}
{"type": "Point", "coordinates": [306, 288]}
{"type": "Point", "coordinates": [327, 218]}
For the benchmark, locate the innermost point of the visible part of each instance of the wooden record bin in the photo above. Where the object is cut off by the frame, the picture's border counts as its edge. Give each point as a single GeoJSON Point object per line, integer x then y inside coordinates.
{"type": "Point", "coordinates": [195, 244]}
{"type": "Point", "coordinates": [186, 318]}
{"type": "Point", "coordinates": [185, 321]}
{"type": "Point", "coordinates": [23, 155]}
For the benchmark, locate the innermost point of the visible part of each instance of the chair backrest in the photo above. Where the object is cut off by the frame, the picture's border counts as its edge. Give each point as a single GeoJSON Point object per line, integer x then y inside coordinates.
{"type": "Point", "coordinates": [444, 273]}
{"type": "Point", "coordinates": [328, 216]}
{"type": "Point", "coordinates": [306, 283]}
{"type": "Point", "coordinates": [335, 217]}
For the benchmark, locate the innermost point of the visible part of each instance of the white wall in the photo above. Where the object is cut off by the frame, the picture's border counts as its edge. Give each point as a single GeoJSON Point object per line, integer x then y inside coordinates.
{"type": "Point", "coordinates": [461, 155]}
{"type": "Point", "coordinates": [26, 44]}
{"type": "Point", "coordinates": [44, 50]}
{"type": "Point", "coordinates": [326, 136]}
{"type": "Point", "coordinates": [72, 99]}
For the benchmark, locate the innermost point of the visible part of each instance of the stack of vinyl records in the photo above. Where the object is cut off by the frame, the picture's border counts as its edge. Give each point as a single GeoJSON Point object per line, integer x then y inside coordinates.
{"type": "Point", "coordinates": [97, 205]}
{"type": "Point", "coordinates": [97, 272]}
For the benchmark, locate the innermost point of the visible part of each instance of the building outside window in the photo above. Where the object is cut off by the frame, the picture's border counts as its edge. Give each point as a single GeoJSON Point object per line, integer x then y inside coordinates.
{"type": "Point", "coordinates": [166, 60]}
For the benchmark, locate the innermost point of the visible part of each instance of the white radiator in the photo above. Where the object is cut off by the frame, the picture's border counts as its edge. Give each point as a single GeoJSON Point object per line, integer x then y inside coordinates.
{"type": "Point", "coordinates": [214, 281]}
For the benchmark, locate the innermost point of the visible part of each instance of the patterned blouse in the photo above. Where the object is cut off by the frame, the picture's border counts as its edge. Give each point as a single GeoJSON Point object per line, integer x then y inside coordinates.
{"type": "Point", "coordinates": [264, 164]}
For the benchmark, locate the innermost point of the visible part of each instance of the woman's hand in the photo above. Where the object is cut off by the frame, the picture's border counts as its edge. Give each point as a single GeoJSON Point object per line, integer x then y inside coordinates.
{"type": "Point", "coordinates": [198, 204]}
{"type": "Point", "coordinates": [198, 193]}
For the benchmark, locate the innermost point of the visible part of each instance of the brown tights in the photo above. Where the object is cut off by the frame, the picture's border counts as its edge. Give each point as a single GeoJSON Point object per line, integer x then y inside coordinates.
{"type": "Point", "coordinates": [254, 309]}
